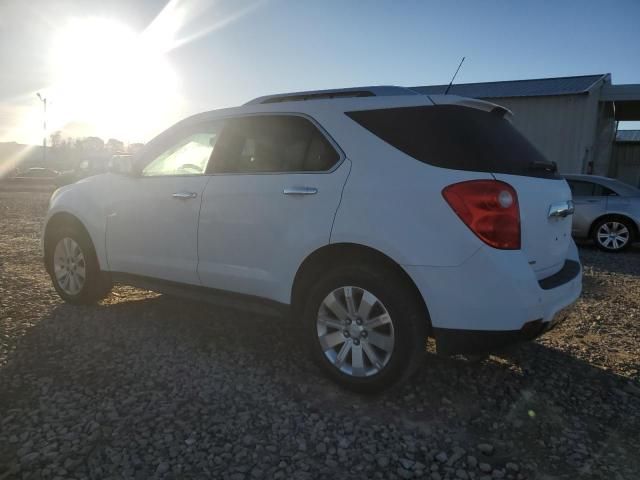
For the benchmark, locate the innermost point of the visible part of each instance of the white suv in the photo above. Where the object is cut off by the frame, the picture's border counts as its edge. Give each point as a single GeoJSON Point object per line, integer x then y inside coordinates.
{"type": "Point", "coordinates": [376, 216]}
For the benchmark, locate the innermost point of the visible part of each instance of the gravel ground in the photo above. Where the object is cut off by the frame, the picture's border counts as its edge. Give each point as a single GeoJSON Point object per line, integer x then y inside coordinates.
{"type": "Point", "coordinates": [146, 386]}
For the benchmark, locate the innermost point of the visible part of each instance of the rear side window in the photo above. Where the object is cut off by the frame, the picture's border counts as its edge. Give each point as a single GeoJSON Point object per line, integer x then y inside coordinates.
{"type": "Point", "coordinates": [603, 191]}
{"type": "Point", "coordinates": [457, 137]}
{"type": "Point", "coordinates": [589, 189]}
{"type": "Point", "coordinates": [272, 143]}
{"type": "Point", "coordinates": [581, 189]}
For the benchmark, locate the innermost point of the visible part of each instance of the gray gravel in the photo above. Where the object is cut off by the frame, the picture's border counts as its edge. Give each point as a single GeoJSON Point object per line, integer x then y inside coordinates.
{"type": "Point", "coordinates": [146, 386]}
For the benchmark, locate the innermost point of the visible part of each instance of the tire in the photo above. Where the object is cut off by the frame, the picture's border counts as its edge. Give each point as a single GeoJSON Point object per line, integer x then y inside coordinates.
{"type": "Point", "coordinates": [613, 234]}
{"type": "Point", "coordinates": [82, 259]}
{"type": "Point", "coordinates": [400, 343]}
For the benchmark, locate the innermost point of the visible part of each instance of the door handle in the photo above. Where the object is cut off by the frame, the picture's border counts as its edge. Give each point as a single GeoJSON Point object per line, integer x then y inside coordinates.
{"type": "Point", "coordinates": [300, 191]}
{"type": "Point", "coordinates": [184, 195]}
{"type": "Point", "coordinates": [561, 209]}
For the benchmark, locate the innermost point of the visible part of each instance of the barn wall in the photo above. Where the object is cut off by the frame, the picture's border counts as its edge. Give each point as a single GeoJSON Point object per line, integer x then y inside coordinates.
{"type": "Point", "coordinates": [605, 136]}
{"type": "Point", "coordinates": [626, 162]}
{"type": "Point", "coordinates": [564, 128]}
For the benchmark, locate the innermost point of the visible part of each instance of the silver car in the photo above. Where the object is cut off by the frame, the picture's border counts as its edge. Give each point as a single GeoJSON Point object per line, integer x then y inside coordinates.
{"type": "Point", "coordinates": [606, 210]}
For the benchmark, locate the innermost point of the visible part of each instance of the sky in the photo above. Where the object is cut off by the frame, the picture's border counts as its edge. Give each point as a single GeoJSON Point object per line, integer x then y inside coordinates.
{"type": "Point", "coordinates": [130, 69]}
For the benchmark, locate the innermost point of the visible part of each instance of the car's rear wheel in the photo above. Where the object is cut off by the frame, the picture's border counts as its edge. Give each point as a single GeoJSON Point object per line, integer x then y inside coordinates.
{"type": "Point", "coordinates": [366, 327]}
{"type": "Point", "coordinates": [613, 234]}
{"type": "Point", "coordinates": [73, 266]}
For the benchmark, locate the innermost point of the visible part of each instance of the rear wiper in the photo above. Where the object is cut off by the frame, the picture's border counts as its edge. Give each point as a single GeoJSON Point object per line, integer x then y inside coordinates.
{"type": "Point", "coordinates": [551, 167]}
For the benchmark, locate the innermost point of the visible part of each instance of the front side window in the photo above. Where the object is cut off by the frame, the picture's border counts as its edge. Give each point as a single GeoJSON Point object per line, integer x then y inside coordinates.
{"type": "Point", "coordinates": [188, 156]}
{"type": "Point", "coordinates": [272, 143]}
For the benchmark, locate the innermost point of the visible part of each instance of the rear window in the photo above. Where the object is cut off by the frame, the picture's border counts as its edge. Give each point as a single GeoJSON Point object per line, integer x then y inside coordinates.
{"type": "Point", "coordinates": [457, 137]}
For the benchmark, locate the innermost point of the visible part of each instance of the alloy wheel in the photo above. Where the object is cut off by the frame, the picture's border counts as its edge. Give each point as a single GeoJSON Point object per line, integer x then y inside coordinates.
{"type": "Point", "coordinates": [613, 235]}
{"type": "Point", "coordinates": [69, 266]}
{"type": "Point", "coordinates": [355, 331]}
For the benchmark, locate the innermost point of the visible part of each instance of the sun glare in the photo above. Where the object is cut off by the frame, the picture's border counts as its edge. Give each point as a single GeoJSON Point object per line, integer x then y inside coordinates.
{"type": "Point", "coordinates": [105, 79]}
{"type": "Point", "coordinates": [112, 79]}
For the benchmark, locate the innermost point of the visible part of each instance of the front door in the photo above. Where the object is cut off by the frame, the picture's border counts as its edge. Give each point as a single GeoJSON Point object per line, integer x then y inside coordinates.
{"type": "Point", "coordinates": [152, 221]}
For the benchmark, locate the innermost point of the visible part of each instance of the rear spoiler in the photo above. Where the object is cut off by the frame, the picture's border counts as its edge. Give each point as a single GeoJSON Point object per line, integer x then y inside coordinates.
{"type": "Point", "coordinates": [472, 103]}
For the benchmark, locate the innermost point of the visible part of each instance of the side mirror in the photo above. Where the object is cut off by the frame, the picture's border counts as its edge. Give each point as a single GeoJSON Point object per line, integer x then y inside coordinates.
{"type": "Point", "coordinates": [122, 164]}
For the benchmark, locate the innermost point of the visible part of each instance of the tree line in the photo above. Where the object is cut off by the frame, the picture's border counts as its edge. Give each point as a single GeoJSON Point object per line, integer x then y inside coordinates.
{"type": "Point", "coordinates": [92, 144]}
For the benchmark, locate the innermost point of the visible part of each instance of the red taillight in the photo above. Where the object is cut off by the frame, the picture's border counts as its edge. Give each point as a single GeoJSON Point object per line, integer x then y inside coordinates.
{"type": "Point", "coordinates": [489, 208]}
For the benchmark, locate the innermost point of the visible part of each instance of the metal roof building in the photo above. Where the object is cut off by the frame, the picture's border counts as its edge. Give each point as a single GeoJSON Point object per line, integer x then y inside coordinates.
{"type": "Point", "coordinates": [625, 162]}
{"type": "Point", "coordinates": [572, 120]}
{"type": "Point", "coordinates": [628, 136]}
{"type": "Point", "coordinates": [518, 88]}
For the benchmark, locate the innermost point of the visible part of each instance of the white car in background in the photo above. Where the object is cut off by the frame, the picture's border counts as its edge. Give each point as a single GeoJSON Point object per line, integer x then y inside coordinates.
{"type": "Point", "coordinates": [376, 216]}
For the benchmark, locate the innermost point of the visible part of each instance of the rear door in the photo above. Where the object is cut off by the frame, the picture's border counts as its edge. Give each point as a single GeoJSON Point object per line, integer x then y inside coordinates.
{"type": "Point", "coordinates": [469, 135]}
{"type": "Point", "coordinates": [275, 186]}
{"type": "Point", "coordinates": [589, 205]}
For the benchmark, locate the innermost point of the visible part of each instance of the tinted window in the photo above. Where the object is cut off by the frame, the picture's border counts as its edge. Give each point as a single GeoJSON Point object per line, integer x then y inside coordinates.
{"type": "Point", "coordinates": [457, 137]}
{"type": "Point", "coordinates": [602, 191]}
{"type": "Point", "coordinates": [272, 143]}
{"type": "Point", "coordinates": [581, 189]}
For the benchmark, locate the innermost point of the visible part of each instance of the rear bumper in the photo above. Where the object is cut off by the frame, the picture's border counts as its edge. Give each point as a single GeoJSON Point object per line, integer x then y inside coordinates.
{"type": "Point", "coordinates": [452, 341]}
{"type": "Point", "coordinates": [494, 299]}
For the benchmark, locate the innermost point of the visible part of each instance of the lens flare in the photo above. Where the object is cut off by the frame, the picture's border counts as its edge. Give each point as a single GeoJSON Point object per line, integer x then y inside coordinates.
{"type": "Point", "coordinates": [110, 77]}
{"type": "Point", "coordinates": [111, 81]}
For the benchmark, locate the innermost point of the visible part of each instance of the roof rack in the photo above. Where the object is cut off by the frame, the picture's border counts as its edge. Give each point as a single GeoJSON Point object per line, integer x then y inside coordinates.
{"type": "Point", "coordinates": [379, 91]}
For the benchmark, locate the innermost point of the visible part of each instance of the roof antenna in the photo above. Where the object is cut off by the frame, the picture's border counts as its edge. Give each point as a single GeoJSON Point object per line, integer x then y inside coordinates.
{"type": "Point", "coordinates": [454, 76]}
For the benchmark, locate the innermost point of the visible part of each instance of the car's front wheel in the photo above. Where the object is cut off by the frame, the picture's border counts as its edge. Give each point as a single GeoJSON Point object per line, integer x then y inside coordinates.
{"type": "Point", "coordinates": [613, 234]}
{"type": "Point", "coordinates": [73, 266]}
{"type": "Point", "coordinates": [366, 327]}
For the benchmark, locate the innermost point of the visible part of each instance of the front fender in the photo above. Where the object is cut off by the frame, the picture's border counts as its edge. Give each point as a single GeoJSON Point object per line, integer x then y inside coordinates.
{"type": "Point", "coordinates": [82, 201]}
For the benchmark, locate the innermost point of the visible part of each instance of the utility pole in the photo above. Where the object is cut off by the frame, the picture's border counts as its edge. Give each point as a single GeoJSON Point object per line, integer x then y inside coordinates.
{"type": "Point", "coordinates": [44, 129]}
